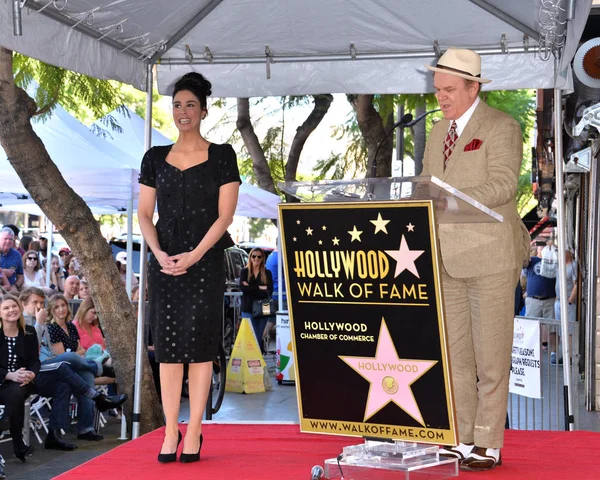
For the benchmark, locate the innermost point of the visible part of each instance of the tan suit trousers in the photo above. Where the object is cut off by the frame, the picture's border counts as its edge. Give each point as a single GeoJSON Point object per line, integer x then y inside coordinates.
{"type": "Point", "coordinates": [480, 323]}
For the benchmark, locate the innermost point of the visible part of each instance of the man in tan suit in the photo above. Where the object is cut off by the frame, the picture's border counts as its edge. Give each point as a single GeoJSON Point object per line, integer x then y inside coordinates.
{"type": "Point", "coordinates": [477, 150]}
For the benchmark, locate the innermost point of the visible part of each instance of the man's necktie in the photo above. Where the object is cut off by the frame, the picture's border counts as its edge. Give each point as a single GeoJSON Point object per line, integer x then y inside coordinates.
{"type": "Point", "coordinates": [449, 142]}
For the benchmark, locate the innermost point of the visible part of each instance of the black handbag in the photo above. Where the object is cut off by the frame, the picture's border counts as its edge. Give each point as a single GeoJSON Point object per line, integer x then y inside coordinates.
{"type": "Point", "coordinates": [264, 307]}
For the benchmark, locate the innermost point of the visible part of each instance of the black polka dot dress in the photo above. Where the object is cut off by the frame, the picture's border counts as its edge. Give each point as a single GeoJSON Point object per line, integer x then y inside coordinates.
{"type": "Point", "coordinates": [185, 311]}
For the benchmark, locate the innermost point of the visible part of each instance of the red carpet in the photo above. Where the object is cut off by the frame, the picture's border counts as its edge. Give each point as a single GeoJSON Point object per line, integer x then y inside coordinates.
{"type": "Point", "coordinates": [258, 452]}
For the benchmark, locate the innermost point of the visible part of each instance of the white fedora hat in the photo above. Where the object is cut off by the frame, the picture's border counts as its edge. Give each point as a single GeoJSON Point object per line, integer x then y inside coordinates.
{"type": "Point", "coordinates": [460, 63]}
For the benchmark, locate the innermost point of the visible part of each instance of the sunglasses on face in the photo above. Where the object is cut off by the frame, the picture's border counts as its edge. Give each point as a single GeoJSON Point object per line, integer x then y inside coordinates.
{"type": "Point", "coordinates": [256, 256]}
{"type": "Point", "coordinates": [62, 254]}
{"type": "Point", "coordinates": [32, 258]}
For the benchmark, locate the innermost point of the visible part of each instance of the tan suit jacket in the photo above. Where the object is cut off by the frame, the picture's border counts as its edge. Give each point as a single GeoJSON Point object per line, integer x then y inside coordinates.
{"type": "Point", "coordinates": [489, 175]}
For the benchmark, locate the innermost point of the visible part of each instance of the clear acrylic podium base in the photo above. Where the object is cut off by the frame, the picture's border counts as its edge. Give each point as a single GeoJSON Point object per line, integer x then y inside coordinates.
{"type": "Point", "coordinates": [390, 460]}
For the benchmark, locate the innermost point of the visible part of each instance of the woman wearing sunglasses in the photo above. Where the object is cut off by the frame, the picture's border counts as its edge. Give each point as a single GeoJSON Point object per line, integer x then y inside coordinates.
{"type": "Point", "coordinates": [257, 284]}
{"type": "Point", "coordinates": [33, 274]}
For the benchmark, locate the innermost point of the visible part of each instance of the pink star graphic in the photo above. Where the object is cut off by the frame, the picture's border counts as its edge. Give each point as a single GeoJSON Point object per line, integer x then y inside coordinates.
{"type": "Point", "coordinates": [390, 377]}
{"type": "Point", "coordinates": [405, 258]}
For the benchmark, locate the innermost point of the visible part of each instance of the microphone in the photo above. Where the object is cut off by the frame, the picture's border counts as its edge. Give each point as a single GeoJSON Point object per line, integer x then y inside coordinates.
{"type": "Point", "coordinates": [316, 472]}
{"type": "Point", "coordinates": [404, 121]}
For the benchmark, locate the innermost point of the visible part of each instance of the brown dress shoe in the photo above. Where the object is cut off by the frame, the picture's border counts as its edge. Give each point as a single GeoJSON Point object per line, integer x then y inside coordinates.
{"type": "Point", "coordinates": [481, 459]}
{"type": "Point", "coordinates": [459, 452]}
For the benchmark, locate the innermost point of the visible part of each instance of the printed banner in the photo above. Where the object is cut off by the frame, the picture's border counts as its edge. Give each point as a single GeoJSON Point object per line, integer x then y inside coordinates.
{"type": "Point", "coordinates": [285, 356]}
{"type": "Point", "coordinates": [364, 302]}
{"type": "Point", "coordinates": [525, 369]}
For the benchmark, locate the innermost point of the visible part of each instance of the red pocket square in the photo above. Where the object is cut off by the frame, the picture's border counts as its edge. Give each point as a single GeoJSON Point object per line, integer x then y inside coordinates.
{"type": "Point", "coordinates": [474, 145]}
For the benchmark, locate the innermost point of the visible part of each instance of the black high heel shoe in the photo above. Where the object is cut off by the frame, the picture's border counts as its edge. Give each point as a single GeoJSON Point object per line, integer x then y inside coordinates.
{"type": "Point", "coordinates": [192, 457]}
{"type": "Point", "coordinates": [170, 457]}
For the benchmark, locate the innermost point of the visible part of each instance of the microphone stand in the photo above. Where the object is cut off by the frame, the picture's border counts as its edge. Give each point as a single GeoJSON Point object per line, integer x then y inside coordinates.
{"type": "Point", "coordinates": [404, 122]}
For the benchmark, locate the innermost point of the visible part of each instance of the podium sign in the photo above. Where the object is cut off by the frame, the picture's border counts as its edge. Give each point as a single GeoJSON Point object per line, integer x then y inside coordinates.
{"type": "Point", "coordinates": [367, 323]}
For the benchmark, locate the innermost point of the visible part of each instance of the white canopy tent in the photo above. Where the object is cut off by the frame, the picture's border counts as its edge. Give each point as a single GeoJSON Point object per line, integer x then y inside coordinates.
{"type": "Point", "coordinates": [267, 47]}
{"type": "Point", "coordinates": [87, 162]}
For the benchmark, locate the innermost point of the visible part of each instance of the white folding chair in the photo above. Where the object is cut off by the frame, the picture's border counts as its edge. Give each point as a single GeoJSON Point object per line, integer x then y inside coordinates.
{"type": "Point", "coordinates": [35, 410]}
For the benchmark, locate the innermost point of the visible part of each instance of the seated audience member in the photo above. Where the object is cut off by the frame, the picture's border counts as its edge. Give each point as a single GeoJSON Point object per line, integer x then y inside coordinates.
{"type": "Point", "coordinates": [84, 289]}
{"type": "Point", "coordinates": [43, 250]}
{"type": "Point", "coordinates": [64, 339]}
{"type": "Point", "coordinates": [121, 260]}
{"type": "Point", "coordinates": [57, 281]}
{"type": "Point", "coordinates": [11, 260]}
{"type": "Point", "coordinates": [17, 244]}
{"type": "Point", "coordinates": [86, 322]}
{"type": "Point", "coordinates": [72, 287]}
{"type": "Point", "coordinates": [32, 303]}
{"type": "Point", "coordinates": [33, 275]}
{"type": "Point", "coordinates": [25, 243]}
{"type": "Point", "coordinates": [65, 256]}
{"type": "Point", "coordinates": [19, 366]}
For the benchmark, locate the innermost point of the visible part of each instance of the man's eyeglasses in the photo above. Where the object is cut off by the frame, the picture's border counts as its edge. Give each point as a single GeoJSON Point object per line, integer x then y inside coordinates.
{"type": "Point", "coordinates": [32, 258]}
{"type": "Point", "coordinates": [63, 254]}
{"type": "Point", "coordinates": [256, 256]}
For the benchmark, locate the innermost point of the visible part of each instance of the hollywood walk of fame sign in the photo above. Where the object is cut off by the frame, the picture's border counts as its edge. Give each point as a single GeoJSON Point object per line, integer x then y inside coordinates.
{"type": "Point", "coordinates": [367, 324]}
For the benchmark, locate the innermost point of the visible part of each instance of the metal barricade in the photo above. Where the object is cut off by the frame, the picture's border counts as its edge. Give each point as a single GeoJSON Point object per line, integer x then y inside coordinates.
{"type": "Point", "coordinates": [548, 412]}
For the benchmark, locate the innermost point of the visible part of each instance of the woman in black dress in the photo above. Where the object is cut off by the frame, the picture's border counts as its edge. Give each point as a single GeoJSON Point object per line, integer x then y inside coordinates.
{"type": "Point", "coordinates": [195, 185]}
{"type": "Point", "coordinates": [19, 365]}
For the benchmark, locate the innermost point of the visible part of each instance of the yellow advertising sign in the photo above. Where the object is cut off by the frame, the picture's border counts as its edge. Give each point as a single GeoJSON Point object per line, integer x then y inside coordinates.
{"type": "Point", "coordinates": [246, 365]}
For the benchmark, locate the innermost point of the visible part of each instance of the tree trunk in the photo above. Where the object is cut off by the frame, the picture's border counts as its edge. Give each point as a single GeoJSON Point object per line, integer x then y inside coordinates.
{"type": "Point", "coordinates": [74, 220]}
{"type": "Point", "coordinates": [373, 131]}
{"type": "Point", "coordinates": [322, 104]}
{"type": "Point", "coordinates": [259, 162]}
{"type": "Point", "coordinates": [419, 135]}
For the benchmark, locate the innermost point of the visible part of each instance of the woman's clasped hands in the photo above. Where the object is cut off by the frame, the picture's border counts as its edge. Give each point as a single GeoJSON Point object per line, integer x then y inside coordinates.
{"type": "Point", "coordinates": [177, 264]}
{"type": "Point", "coordinates": [21, 376]}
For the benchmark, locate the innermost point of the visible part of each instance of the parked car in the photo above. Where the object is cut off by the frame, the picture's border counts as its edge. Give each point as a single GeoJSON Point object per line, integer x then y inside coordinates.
{"type": "Point", "coordinates": [248, 246]}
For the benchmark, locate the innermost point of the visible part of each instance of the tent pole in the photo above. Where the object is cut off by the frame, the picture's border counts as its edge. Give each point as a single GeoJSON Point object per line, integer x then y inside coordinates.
{"type": "Point", "coordinates": [49, 251]}
{"type": "Point", "coordinates": [589, 328]}
{"type": "Point", "coordinates": [141, 344]}
{"type": "Point", "coordinates": [562, 266]}
{"type": "Point", "coordinates": [129, 272]}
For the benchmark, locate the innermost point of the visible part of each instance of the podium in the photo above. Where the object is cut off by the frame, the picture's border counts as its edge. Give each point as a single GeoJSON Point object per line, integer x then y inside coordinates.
{"type": "Point", "coordinates": [364, 290]}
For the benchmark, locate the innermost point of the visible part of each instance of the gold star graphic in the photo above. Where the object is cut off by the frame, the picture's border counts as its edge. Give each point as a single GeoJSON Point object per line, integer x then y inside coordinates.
{"type": "Point", "coordinates": [309, 231]}
{"type": "Point", "coordinates": [335, 240]}
{"type": "Point", "coordinates": [324, 227]}
{"type": "Point", "coordinates": [380, 224]}
{"type": "Point", "coordinates": [320, 242]}
{"type": "Point", "coordinates": [355, 234]}
{"type": "Point", "coordinates": [297, 222]}
{"type": "Point", "coordinates": [410, 227]}
{"type": "Point", "coordinates": [294, 239]}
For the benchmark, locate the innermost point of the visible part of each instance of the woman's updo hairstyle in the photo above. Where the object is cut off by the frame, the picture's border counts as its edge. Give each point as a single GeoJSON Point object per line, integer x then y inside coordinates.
{"type": "Point", "coordinates": [195, 83]}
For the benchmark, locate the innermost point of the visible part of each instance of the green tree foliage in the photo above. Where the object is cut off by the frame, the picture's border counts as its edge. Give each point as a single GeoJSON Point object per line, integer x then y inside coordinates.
{"type": "Point", "coordinates": [520, 104]}
{"type": "Point", "coordinates": [84, 96]}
